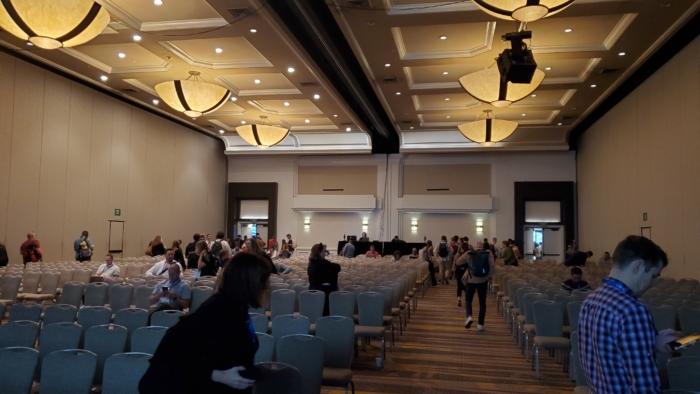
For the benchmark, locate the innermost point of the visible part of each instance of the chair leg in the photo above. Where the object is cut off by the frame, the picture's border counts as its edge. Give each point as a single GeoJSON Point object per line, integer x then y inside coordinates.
{"type": "Point", "coordinates": [526, 347]}
{"type": "Point", "coordinates": [383, 349]}
{"type": "Point", "coordinates": [352, 385]}
{"type": "Point", "coordinates": [536, 357]}
{"type": "Point", "coordinates": [392, 334]}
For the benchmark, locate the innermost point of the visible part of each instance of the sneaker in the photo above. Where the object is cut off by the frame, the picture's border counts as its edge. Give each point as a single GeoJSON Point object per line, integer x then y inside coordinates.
{"type": "Point", "coordinates": [480, 327]}
{"type": "Point", "coordinates": [459, 302]}
{"type": "Point", "coordinates": [468, 323]}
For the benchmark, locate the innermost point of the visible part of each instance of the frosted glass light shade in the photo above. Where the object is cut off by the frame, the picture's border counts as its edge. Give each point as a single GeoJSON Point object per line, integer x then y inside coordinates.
{"type": "Point", "coordinates": [523, 10]}
{"type": "Point", "coordinates": [486, 86]}
{"type": "Point", "coordinates": [52, 24]}
{"type": "Point", "coordinates": [261, 135]}
{"type": "Point", "coordinates": [194, 98]}
{"type": "Point", "coordinates": [488, 131]}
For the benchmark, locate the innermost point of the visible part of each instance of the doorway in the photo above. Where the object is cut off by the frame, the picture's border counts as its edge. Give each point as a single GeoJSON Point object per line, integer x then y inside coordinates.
{"type": "Point", "coordinates": [551, 239]}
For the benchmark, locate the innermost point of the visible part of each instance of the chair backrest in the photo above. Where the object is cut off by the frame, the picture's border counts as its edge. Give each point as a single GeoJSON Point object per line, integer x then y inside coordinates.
{"type": "Point", "coordinates": [690, 319]}
{"type": "Point", "coordinates": [132, 319]}
{"type": "Point", "coordinates": [89, 317]}
{"type": "Point", "coordinates": [49, 282]}
{"type": "Point", "coordinates": [68, 371]}
{"type": "Point", "coordinates": [9, 287]}
{"type": "Point", "coordinates": [278, 286]}
{"type": "Point", "coordinates": [167, 318]}
{"type": "Point", "coordinates": [564, 300]}
{"type": "Point", "coordinates": [357, 289]}
{"type": "Point", "coordinates": [298, 288]}
{"type": "Point", "coordinates": [311, 303]}
{"type": "Point", "coordinates": [579, 375]}
{"type": "Point", "coordinates": [58, 336]}
{"type": "Point", "coordinates": [31, 312]}
{"type": "Point", "coordinates": [21, 333]}
{"type": "Point", "coordinates": [105, 341]}
{"type": "Point", "coordinates": [96, 294]}
{"type": "Point", "coordinates": [282, 303]}
{"type": "Point", "coordinates": [30, 282]}
{"type": "Point", "coordinates": [581, 294]}
{"type": "Point", "coordinates": [290, 325]}
{"type": "Point", "coordinates": [17, 366]}
{"type": "Point", "coordinates": [204, 283]}
{"type": "Point", "coordinates": [266, 348]}
{"type": "Point", "coordinates": [573, 310]}
{"type": "Point", "coordinates": [120, 296]}
{"type": "Point", "coordinates": [553, 292]}
{"type": "Point", "coordinates": [549, 318]}
{"type": "Point", "coordinates": [123, 371]}
{"type": "Point", "coordinates": [664, 316]}
{"type": "Point", "coordinates": [260, 322]}
{"type": "Point", "coordinates": [72, 293]}
{"type": "Point", "coordinates": [528, 300]}
{"type": "Point", "coordinates": [60, 313]}
{"type": "Point", "coordinates": [147, 339]}
{"type": "Point", "coordinates": [278, 378]}
{"type": "Point", "coordinates": [143, 293]}
{"type": "Point", "coordinates": [388, 294]}
{"type": "Point", "coordinates": [519, 296]}
{"type": "Point", "coordinates": [199, 295]}
{"type": "Point", "coordinates": [342, 303]}
{"type": "Point", "coordinates": [683, 373]}
{"type": "Point", "coordinates": [305, 353]}
{"type": "Point", "coordinates": [82, 275]}
{"type": "Point", "coordinates": [371, 309]}
{"type": "Point", "coordinates": [338, 334]}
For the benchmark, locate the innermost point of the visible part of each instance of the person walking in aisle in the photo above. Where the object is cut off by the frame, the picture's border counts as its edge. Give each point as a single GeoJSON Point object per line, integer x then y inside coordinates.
{"type": "Point", "coordinates": [460, 268]}
{"type": "Point", "coordinates": [427, 255]}
{"type": "Point", "coordinates": [480, 267]}
{"type": "Point", "coordinates": [30, 249]}
{"type": "Point", "coordinates": [444, 256]}
{"type": "Point", "coordinates": [87, 254]}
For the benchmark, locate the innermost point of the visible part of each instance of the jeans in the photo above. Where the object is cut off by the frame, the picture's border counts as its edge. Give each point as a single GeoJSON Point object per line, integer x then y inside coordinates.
{"type": "Point", "coordinates": [431, 269]}
{"type": "Point", "coordinates": [445, 268]}
{"type": "Point", "coordinates": [479, 288]}
{"type": "Point", "coordinates": [460, 286]}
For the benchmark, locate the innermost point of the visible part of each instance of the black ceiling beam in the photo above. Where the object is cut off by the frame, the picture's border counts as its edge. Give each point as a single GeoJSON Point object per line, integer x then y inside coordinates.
{"type": "Point", "coordinates": [675, 44]}
{"type": "Point", "coordinates": [313, 25]}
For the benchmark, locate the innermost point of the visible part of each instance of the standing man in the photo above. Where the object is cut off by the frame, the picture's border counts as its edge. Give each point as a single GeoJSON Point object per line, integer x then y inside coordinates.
{"type": "Point", "coordinates": [617, 338]}
{"type": "Point", "coordinates": [445, 256]}
{"type": "Point", "coordinates": [291, 245]}
{"type": "Point", "coordinates": [578, 259]}
{"type": "Point", "coordinates": [162, 267]}
{"type": "Point", "coordinates": [30, 249]}
{"type": "Point", "coordinates": [348, 250]}
{"type": "Point", "coordinates": [190, 246]}
{"type": "Point", "coordinates": [495, 249]}
{"type": "Point", "coordinates": [509, 255]}
{"type": "Point", "coordinates": [209, 241]}
{"type": "Point", "coordinates": [108, 270]}
{"type": "Point", "coordinates": [86, 256]}
{"type": "Point", "coordinates": [220, 244]}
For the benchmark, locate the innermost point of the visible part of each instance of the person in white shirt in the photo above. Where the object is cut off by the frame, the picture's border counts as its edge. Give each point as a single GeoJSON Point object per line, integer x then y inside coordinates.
{"type": "Point", "coordinates": [224, 244]}
{"type": "Point", "coordinates": [108, 270]}
{"type": "Point", "coordinates": [161, 267]}
{"type": "Point", "coordinates": [209, 241]}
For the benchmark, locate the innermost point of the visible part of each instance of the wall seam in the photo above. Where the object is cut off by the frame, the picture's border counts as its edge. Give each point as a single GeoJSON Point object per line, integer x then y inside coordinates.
{"type": "Point", "coordinates": [12, 129]}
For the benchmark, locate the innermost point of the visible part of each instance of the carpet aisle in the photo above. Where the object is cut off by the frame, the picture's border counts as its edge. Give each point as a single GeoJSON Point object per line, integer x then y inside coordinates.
{"type": "Point", "coordinates": [438, 355]}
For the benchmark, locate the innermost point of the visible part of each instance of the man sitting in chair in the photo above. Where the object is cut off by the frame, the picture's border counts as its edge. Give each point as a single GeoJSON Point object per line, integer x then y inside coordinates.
{"type": "Point", "coordinates": [108, 270]}
{"type": "Point", "coordinates": [172, 293]}
{"type": "Point", "coordinates": [575, 283]}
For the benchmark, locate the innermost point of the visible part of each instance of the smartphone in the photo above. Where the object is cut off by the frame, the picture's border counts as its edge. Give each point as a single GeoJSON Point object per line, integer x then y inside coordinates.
{"type": "Point", "coordinates": [252, 373]}
{"type": "Point", "coordinates": [165, 289]}
{"type": "Point", "coordinates": [682, 343]}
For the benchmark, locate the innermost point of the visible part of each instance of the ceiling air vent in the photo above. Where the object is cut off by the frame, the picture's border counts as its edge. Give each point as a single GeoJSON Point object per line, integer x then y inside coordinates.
{"type": "Point", "coordinates": [307, 84]}
{"type": "Point", "coordinates": [346, 124]}
{"type": "Point", "coordinates": [390, 80]}
{"type": "Point", "coordinates": [129, 90]}
{"type": "Point", "coordinates": [238, 12]}
{"type": "Point", "coordinates": [358, 4]}
{"type": "Point", "coordinates": [566, 117]}
{"type": "Point", "coordinates": [603, 71]}
{"type": "Point", "coordinates": [407, 121]}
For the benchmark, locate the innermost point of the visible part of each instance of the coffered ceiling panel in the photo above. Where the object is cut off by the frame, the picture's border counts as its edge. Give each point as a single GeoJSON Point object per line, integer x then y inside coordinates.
{"type": "Point", "coordinates": [119, 58]}
{"type": "Point", "coordinates": [586, 33]}
{"type": "Point", "coordinates": [440, 41]}
{"type": "Point", "coordinates": [218, 53]}
{"type": "Point", "coordinates": [258, 84]}
{"type": "Point", "coordinates": [146, 15]}
{"type": "Point", "coordinates": [286, 107]}
{"type": "Point", "coordinates": [444, 102]}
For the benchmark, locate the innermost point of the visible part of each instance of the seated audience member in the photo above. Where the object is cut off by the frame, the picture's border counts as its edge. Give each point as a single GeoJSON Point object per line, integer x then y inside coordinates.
{"type": "Point", "coordinates": [224, 257]}
{"type": "Point", "coordinates": [575, 283]}
{"type": "Point", "coordinates": [171, 293]}
{"type": "Point", "coordinates": [236, 247]}
{"type": "Point", "coordinates": [363, 238]}
{"type": "Point", "coordinates": [161, 267]}
{"type": "Point", "coordinates": [508, 255]}
{"type": "Point", "coordinates": [284, 252]}
{"type": "Point", "coordinates": [618, 342]}
{"type": "Point", "coordinates": [606, 259]}
{"type": "Point", "coordinates": [190, 246]}
{"type": "Point", "coordinates": [397, 257]}
{"type": "Point", "coordinates": [578, 259]}
{"type": "Point", "coordinates": [282, 268]}
{"type": "Point", "coordinates": [326, 252]}
{"type": "Point", "coordinates": [156, 247]}
{"type": "Point", "coordinates": [348, 250]}
{"type": "Point", "coordinates": [372, 252]}
{"type": "Point", "coordinates": [323, 275]}
{"type": "Point", "coordinates": [414, 254]}
{"type": "Point", "coordinates": [108, 270]}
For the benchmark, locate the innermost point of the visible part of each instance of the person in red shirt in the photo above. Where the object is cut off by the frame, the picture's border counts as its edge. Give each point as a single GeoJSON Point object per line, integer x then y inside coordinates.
{"type": "Point", "coordinates": [30, 249]}
{"type": "Point", "coordinates": [371, 252]}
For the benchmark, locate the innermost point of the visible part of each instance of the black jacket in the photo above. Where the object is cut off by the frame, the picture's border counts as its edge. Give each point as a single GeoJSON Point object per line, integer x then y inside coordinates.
{"type": "Point", "coordinates": [323, 271]}
{"type": "Point", "coordinates": [158, 250]}
{"type": "Point", "coordinates": [188, 353]}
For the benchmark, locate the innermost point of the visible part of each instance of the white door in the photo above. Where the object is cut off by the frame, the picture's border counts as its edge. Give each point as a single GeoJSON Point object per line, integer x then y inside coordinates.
{"type": "Point", "coordinates": [553, 243]}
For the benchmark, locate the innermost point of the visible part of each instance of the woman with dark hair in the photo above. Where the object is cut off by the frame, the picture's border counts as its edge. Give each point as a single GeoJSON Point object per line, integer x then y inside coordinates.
{"type": "Point", "coordinates": [253, 246]}
{"type": "Point", "coordinates": [213, 362]}
{"type": "Point", "coordinates": [179, 256]}
{"type": "Point", "coordinates": [207, 264]}
{"type": "Point", "coordinates": [323, 275]}
{"type": "Point", "coordinates": [156, 247]}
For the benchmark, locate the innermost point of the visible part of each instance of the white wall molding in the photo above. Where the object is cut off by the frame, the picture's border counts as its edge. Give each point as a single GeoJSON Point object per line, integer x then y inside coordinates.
{"type": "Point", "coordinates": [184, 24]}
{"type": "Point", "coordinates": [177, 51]}
{"type": "Point", "coordinates": [334, 203]}
{"type": "Point", "coordinates": [300, 143]}
{"type": "Point", "coordinates": [290, 111]}
{"type": "Point", "coordinates": [442, 203]}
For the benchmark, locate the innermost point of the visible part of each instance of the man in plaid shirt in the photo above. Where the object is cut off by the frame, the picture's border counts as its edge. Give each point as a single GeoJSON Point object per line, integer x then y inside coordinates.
{"type": "Point", "coordinates": [617, 338]}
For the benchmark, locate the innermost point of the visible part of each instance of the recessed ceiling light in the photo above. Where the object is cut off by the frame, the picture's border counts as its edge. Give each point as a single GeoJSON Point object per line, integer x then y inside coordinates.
{"type": "Point", "coordinates": [534, 95]}
{"type": "Point", "coordinates": [347, 129]}
{"type": "Point", "coordinates": [221, 132]}
{"type": "Point", "coordinates": [257, 81]}
{"type": "Point", "coordinates": [445, 73]}
{"type": "Point", "coordinates": [567, 30]}
{"type": "Point", "coordinates": [558, 124]}
{"type": "Point", "coordinates": [286, 104]}
{"type": "Point", "coordinates": [411, 127]}
{"type": "Point", "coordinates": [158, 2]}
{"type": "Point", "coordinates": [621, 54]}
{"type": "Point", "coordinates": [398, 93]}
{"type": "Point", "coordinates": [218, 50]}
{"type": "Point", "coordinates": [30, 43]}
{"type": "Point", "coordinates": [155, 102]}
{"type": "Point", "coordinates": [253, 30]}
{"type": "Point", "coordinates": [447, 99]}
{"type": "Point", "coordinates": [194, 118]}
{"type": "Point", "coordinates": [548, 68]}
{"type": "Point", "coordinates": [104, 78]}
{"type": "Point", "coordinates": [335, 116]}
{"type": "Point", "coordinates": [234, 98]}
{"type": "Point", "coordinates": [137, 37]}
{"type": "Point", "coordinates": [290, 69]}
{"type": "Point", "coordinates": [523, 114]}
{"type": "Point", "coordinates": [448, 116]}
{"type": "Point", "coordinates": [387, 65]}
{"type": "Point", "coordinates": [317, 96]}
{"type": "Point", "coordinates": [593, 86]}
{"type": "Point", "coordinates": [243, 122]}
{"type": "Point", "coordinates": [307, 121]}
{"type": "Point", "coordinates": [121, 55]}
{"type": "Point", "coordinates": [443, 37]}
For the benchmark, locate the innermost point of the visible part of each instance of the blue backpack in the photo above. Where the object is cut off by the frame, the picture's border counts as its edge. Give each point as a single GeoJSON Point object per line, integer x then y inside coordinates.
{"type": "Point", "coordinates": [480, 263]}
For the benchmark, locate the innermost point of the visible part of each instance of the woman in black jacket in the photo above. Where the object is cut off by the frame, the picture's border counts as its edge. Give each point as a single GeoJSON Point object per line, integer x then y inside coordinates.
{"type": "Point", "coordinates": [323, 275]}
{"type": "Point", "coordinates": [212, 362]}
{"type": "Point", "coordinates": [255, 248]}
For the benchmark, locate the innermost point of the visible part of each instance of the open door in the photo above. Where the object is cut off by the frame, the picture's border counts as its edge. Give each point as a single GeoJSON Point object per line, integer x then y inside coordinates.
{"type": "Point", "coordinates": [116, 236]}
{"type": "Point", "coordinates": [553, 240]}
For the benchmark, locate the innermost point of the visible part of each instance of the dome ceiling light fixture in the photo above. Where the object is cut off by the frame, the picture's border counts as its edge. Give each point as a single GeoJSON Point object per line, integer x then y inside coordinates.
{"type": "Point", "coordinates": [523, 10]}
{"type": "Point", "coordinates": [53, 24]}
{"type": "Point", "coordinates": [192, 96]}
{"type": "Point", "coordinates": [488, 130]}
{"type": "Point", "coordinates": [262, 134]}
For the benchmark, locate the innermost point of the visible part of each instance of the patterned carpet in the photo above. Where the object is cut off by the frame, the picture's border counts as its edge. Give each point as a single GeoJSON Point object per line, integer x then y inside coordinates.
{"type": "Point", "coordinates": [438, 355]}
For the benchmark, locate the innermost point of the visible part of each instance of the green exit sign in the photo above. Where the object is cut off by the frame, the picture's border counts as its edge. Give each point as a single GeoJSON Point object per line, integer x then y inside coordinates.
{"type": "Point", "coordinates": [118, 212]}
{"type": "Point", "coordinates": [644, 216]}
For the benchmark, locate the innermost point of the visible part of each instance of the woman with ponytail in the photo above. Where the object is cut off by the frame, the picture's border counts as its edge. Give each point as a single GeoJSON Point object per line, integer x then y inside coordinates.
{"type": "Point", "coordinates": [323, 275]}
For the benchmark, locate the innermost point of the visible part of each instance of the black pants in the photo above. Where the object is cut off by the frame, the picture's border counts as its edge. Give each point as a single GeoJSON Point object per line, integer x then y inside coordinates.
{"type": "Point", "coordinates": [460, 286]}
{"type": "Point", "coordinates": [431, 269]}
{"type": "Point", "coordinates": [479, 288]}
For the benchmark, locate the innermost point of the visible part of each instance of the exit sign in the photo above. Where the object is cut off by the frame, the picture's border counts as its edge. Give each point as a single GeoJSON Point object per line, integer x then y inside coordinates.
{"type": "Point", "coordinates": [118, 212]}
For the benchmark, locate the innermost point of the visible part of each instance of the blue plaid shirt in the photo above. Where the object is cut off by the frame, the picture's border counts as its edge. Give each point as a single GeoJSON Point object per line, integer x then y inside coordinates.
{"type": "Point", "coordinates": [617, 342]}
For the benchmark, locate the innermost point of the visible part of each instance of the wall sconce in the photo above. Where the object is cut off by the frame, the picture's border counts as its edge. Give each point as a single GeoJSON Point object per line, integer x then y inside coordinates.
{"type": "Point", "coordinates": [365, 224]}
{"type": "Point", "coordinates": [479, 226]}
{"type": "Point", "coordinates": [307, 223]}
{"type": "Point", "coordinates": [414, 225]}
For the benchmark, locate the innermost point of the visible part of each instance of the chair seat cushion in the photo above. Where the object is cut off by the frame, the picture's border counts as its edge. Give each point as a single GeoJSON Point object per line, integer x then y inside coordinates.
{"type": "Point", "coordinates": [369, 331]}
{"type": "Point", "coordinates": [515, 311]}
{"type": "Point", "coordinates": [336, 377]}
{"type": "Point", "coordinates": [521, 319]}
{"type": "Point", "coordinates": [506, 299]}
{"type": "Point", "coordinates": [395, 311]}
{"type": "Point", "coordinates": [530, 328]}
{"type": "Point", "coordinates": [36, 297]}
{"type": "Point", "coordinates": [388, 320]}
{"type": "Point", "coordinates": [552, 342]}
{"type": "Point", "coordinates": [500, 294]}
{"type": "Point", "coordinates": [7, 302]}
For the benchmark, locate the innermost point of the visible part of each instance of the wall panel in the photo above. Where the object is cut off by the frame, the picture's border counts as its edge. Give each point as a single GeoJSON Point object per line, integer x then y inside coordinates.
{"type": "Point", "coordinates": [7, 93]}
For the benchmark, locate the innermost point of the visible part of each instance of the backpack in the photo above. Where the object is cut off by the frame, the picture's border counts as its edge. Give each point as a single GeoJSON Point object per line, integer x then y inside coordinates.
{"type": "Point", "coordinates": [4, 259]}
{"type": "Point", "coordinates": [216, 247]}
{"type": "Point", "coordinates": [31, 252]}
{"type": "Point", "coordinates": [442, 250]}
{"type": "Point", "coordinates": [84, 253]}
{"type": "Point", "coordinates": [480, 263]}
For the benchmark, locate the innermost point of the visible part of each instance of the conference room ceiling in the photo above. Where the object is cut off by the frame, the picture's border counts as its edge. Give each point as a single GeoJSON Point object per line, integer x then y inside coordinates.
{"type": "Point", "coordinates": [254, 49]}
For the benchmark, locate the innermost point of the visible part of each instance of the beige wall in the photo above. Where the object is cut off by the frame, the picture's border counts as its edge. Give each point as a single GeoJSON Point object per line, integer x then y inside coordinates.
{"type": "Point", "coordinates": [70, 155]}
{"type": "Point", "coordinates": [354, 180]}
{"type": "Point", "coordinates": [644, 156]}
{"type": "Point", "coordinates": [460, 179]}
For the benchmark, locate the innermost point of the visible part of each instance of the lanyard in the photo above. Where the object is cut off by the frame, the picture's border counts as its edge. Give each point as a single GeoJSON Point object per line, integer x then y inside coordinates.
{"type": "Point", "coordinates": [251, 330]}
{"type": "Point", "coordinates": [165, 268]}
{"type": "Point", "coordinates": [620, 286]}
{"type": "Point", "coordinates": [106, 268]}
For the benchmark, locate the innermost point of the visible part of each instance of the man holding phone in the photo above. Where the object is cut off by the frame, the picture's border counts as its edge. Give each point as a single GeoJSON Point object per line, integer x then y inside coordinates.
{"type": "Point", "coordinates": [617, 338]}
{"type": "Point", "coordinates": [172, 293]}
